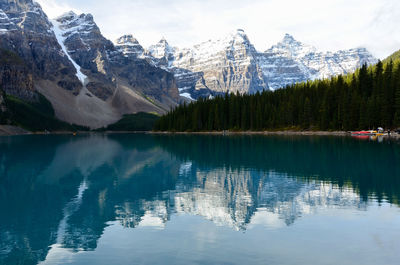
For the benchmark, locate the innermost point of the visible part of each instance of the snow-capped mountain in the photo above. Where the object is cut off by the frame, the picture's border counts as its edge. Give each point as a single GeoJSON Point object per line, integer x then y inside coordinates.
{"type": "Point", "coordinates": [86, 77]}
{"type": "Point", "coordinates": [225, 65]}
{"type": "Point", "coordinates": [291, 61]}
{"type": "Point", "coordinates": [93, 82]}
{"type": "Point", "coordinates": [162, 51]}
{"type": "Point", "coordinates": [232, 64]}
{"type": "Point", "coordinates": [129, 46]}
{"type": "Point", "coordinates": [117, 80]}
{"type": "Point", "coordinates": [26, 33]}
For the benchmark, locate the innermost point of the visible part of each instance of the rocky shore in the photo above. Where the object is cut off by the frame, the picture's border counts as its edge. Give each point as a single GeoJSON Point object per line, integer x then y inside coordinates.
{"type": "Point", "coordinates": [6, 130]}
{"type": "Point", "coordinates": [333, 133]}
{"type": "Point", "coordinates": [286, 133]}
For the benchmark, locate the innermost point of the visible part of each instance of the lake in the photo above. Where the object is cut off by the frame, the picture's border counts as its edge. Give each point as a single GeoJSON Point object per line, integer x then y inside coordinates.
{"type": "Point", "coordinates": [185, 199]}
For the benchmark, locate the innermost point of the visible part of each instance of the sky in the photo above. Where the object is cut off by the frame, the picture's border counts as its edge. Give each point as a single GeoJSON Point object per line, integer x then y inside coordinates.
{"type": "Point", "coordinates": [329, 25]}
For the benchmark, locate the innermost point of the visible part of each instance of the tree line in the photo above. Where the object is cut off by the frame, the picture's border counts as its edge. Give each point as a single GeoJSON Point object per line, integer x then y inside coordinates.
{"type": "Point", "coordinates": [366, 99]}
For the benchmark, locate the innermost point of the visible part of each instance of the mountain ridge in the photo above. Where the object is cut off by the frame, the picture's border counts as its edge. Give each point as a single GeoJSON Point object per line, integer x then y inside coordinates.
{"type": "Point", "coordinates": [86, 79]}
{"type": "Point", "coordinates": [93, 82]}
{"type": "Point", "coordinates": [218, 66]}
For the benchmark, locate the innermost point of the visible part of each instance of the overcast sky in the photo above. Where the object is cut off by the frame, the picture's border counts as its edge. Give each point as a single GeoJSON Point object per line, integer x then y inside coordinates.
{"type": "Point", "coordinates": [326, 24]}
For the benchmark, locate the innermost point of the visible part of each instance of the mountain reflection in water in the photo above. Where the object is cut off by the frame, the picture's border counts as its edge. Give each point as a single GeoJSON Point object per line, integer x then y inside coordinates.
{"type": "Point", "coordinates": [59, 193]}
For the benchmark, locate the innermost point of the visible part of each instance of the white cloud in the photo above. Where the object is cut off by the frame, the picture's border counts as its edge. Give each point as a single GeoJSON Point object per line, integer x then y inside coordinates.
{"type": "Point", "coordinates": [53, 8]}
{"type": "Point", "coordinates": [328, 24]}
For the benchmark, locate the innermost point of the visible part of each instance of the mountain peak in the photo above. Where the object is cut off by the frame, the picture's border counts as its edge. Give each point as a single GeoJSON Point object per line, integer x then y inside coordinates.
{"type": "Point", "coordinates": [239, 36]}
{"type": "Point", "coordinates": [129, 46]}
{"type": "Point", "coordinates": [239, 32]}
{"type": "Point", "coordinates": [20, 1]}
{"type": "Point", "coordinates": [288, 38]}
{"type": "Point", "coordinates": [127, 40]}
{"type": "Point", "coordinates": [163, 41]}
{"type": "Point", "coordinates": [161, 50]}
{"type": "Point", "coordinates": [72, 16]}
{"type": "Point", "coordinates": [74, 23]}
{"type": "Point", "coordinates": [26, 15]}
{"type": "Point", "coordinates": [69, 14]}
{"type": "Point", "coordinates": [18, 5]}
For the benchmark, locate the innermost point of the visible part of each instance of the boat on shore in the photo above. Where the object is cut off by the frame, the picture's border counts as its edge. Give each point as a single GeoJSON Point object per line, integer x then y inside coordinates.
{"type": "Point", "coordinates": [372, 134]}
{"type": "Point", "coordinates": [365, 133]}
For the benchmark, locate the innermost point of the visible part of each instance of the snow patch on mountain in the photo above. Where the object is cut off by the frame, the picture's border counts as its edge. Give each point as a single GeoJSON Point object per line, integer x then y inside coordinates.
{"type": "Point", "coordinates": [6, 24]}
{"type": "Point", "coordinates": [232, 64]}
{"type": "Point", "coordinates": [129, 46]}
{"type": "Point", "coordinates": [79, 26]}
{"type": "Point", "coordinates": [60, 33]}
{"type": "Point", "coordinates": [161, 49]}
{"type": "Point", "coordinates": [290, 61]}
{"type": "Point", "coordinates": [215, 66]}
{"type": "Point", "coordinates": [186, 95]}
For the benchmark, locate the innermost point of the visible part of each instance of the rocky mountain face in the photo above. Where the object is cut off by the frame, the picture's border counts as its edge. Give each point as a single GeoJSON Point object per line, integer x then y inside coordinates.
{"type": "Point", "coordinates": [212, 67]}
{"type": "Point", "coordinates": [93, 82]}
{"type": "Point", "coordinates": [30, 51]}
{"type": "Point", "coordinates": [130, 46]}
{"type": "Point", "coordinates": [291, 61]}
{"type": "Point", "coordinates": [15, 77]}
{"type": "Point", "coordinates": [232, 64]}
{"type": "Point", "coordinates": [225, 65]}
{"type": "Point", "coordinates": [106, 66]}
{"type": "Point", "coordinates": [2, 103]}
{"type": "Point", "coordinates": [86, 78]}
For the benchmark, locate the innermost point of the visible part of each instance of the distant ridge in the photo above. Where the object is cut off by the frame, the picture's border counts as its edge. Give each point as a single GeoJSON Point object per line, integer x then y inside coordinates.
{"type": "Point", "coordinates": [394, 57]}
{"type": "Point", "coordinates": [232, 64]}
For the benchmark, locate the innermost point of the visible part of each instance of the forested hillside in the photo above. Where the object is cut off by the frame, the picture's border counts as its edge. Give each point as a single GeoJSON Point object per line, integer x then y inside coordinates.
{"type": "Point", "coordinates": [394, 57]}
{"type": "Point", "coordinates": [366, 99]}
{"type": "Point", "coordinates": [32, 116]}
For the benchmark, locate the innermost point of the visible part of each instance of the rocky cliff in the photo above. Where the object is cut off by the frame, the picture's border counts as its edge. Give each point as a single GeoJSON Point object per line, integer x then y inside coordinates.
{"type": "Point", "coordinates": [291, 61]}
{"type": "Point", "coordinates": [93, 82]}
{"type": "Point", "coordinates": [232, 64]}
{"type": "Point", "coordinates": [225, 65]}
{"type": "Point", "coordinates": [2, 102]}
{"type": "Point", "coordinates": [15, 77]}
{"type": "Point", "coordinates": [86, 78]}
{"type": "Point", "coordinates": [30, 50]}
{"type": "Point", "coordinates": [129, 46]}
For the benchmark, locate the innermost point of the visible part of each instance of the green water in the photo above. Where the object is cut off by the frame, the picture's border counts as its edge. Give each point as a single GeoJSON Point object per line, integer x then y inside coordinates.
{"type": "Point", "coordinates": [148, 199]}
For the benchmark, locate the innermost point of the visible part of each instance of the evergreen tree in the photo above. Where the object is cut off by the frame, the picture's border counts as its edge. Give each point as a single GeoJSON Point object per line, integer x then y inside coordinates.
{"type": "Point", "coordinates": [364, 100]}
{"type": "Point", "coordinates": [397, 96]}
{"type": "Point", "coordinates": [307, 114]}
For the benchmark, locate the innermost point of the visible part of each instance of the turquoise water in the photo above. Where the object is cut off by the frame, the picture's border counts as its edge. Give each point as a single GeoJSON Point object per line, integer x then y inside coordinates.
{"type": "Point", "coordinates": [148, 199]}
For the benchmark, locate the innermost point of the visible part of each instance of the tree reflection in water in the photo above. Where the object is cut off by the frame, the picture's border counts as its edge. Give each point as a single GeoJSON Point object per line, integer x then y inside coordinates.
{"type": "Point", "coordinates": [59, 193]}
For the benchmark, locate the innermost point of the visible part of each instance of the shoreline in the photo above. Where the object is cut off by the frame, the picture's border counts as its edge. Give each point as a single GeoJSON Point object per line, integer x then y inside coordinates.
{"type": "Point", "coordinates": [9, 130]}
{"type": "Point", "coordinates": [287, 133]}
{"type": "Point", "coordinates": [6, 130]}
{"type": "Point", "coordinates": [277, 133]}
